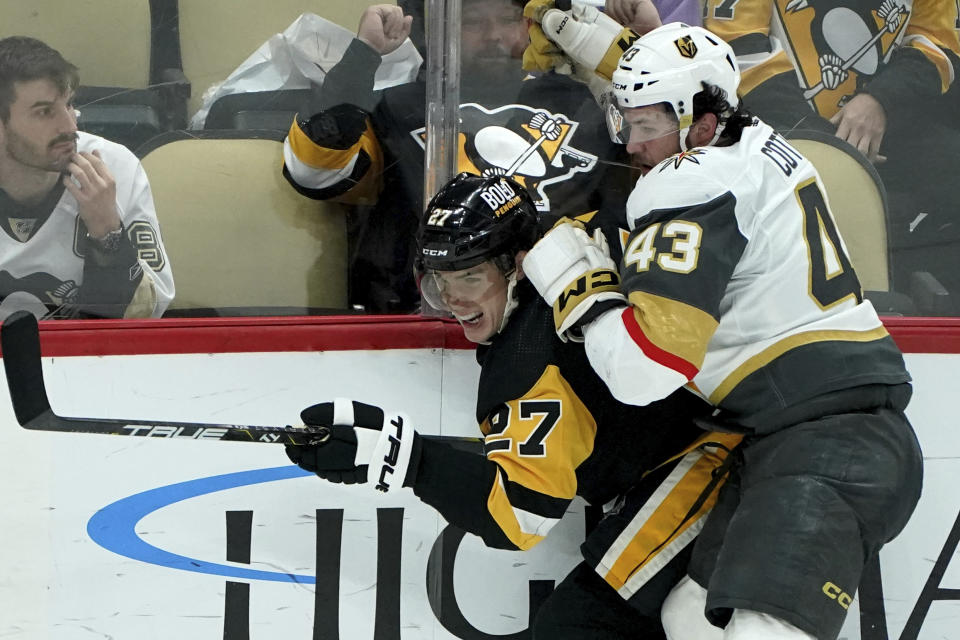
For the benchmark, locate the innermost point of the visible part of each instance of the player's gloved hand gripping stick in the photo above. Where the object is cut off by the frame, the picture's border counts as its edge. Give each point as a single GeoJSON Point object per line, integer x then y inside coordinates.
{"type": "Point", "coordinates": [365, 444]}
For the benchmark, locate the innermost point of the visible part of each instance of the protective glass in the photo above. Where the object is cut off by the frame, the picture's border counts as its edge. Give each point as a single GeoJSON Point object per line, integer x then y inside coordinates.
{"type": "Point", "coordinates": [625, 125]}
{"type": "Point", "coordinates": [451, 290]}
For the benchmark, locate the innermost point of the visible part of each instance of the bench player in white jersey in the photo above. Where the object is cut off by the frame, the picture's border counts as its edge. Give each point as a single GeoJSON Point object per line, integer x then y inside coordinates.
{"type": "Point", "coordinates": [736, 284]}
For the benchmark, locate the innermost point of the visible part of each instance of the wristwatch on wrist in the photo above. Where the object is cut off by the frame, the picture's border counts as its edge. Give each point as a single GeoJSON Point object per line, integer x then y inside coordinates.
{"type": "Point", "coordinates": [108, 243]}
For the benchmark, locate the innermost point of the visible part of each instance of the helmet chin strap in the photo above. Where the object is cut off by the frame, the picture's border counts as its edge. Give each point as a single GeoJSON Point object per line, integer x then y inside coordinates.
{"type": "Point", "coordinates": [717, 133]}
{"type": "Point", "coordinates": [716, 136]}
{"type": "Point", "coordinates": [512, 299]}
{"type": "Point", "coordinates": [511, 304]}
{"type": "Point", "coordinates": [683, 139]}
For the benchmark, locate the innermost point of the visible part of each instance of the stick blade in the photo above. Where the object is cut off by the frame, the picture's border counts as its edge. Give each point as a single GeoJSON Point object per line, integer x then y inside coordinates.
{"type": "Point", "coordinates": [20, 340]}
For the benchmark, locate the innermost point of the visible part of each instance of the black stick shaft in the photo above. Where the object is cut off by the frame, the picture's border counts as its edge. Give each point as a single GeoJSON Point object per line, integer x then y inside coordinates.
{"type": "Point", "coordinates": [20, 340]}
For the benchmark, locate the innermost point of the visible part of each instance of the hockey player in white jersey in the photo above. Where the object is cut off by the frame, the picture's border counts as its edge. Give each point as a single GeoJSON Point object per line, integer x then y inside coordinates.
{"type": "Point", "coordinates": [736, 284]}
{"type": "Point", "coordinates": [78, 229]}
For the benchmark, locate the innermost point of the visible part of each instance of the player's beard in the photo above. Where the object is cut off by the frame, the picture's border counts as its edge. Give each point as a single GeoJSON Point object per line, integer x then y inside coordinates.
{"type": "Point", "coordinates": [53, 156]}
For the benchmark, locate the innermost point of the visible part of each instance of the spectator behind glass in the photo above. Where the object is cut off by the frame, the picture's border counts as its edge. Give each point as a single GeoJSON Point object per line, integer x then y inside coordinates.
{"type": "Point", "coordinates": [875, 74]}
{"type": "Point", "coordinates": [79, 232]}
{"type": "Point", "coordinates": [361, 147]}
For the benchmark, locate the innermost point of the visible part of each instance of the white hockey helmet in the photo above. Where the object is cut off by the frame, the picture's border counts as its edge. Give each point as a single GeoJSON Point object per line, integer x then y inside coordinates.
{"type": "Point", "coordinates": [670, 64]}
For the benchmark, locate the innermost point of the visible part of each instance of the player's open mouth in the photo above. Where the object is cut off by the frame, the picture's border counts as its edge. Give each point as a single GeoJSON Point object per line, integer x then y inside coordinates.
{"type": "Point", "coordinates": [472, 320]}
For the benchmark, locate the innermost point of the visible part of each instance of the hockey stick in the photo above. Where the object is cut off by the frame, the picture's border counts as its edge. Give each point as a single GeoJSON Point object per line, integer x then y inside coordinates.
{"type": "Point", "coordinates": [20, 339]}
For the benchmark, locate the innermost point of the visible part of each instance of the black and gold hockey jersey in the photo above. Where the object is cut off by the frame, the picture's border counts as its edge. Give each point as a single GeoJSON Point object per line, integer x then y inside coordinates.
{"type": "Point", "coordinates": [739, 287]}
{"type": "Point", "coordinates": [552, 431]}
{"type": "Point", "coordinates": [899, 49]}
{"type": "Point", "coordinates": [366, 148]}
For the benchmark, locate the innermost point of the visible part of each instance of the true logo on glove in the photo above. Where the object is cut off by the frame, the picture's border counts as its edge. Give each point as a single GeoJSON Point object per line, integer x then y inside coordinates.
{"type": "Point", "coordinates": [393, 455]}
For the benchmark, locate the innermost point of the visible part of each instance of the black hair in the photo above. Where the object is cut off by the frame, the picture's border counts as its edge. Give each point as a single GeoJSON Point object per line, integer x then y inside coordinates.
{"type": "Point", "coordinates": [23, 59]}
{"type": "Point", "coordinates": [713, 100]}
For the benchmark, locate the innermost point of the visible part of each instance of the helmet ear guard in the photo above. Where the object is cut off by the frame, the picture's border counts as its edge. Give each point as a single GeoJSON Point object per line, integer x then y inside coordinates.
{"type": "Point", "coordinates": [671, 64]}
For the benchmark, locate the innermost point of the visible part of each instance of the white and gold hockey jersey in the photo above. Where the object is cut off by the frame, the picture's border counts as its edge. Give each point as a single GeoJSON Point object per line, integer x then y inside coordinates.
{"type": "Point", "coordinates": [44, 266]}
{"type": "Point", "coordinates": [739, 286]}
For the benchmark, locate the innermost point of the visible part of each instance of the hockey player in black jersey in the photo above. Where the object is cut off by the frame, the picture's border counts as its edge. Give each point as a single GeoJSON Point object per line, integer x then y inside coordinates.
{"type": "Point", "coordinates": [551, 431]}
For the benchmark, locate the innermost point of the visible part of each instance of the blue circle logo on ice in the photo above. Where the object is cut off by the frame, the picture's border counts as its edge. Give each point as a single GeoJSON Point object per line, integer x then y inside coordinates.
{"type": "Point", "coordinates": [114, 526]}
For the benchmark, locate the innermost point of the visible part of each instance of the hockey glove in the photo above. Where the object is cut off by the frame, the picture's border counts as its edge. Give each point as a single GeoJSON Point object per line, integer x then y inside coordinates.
{"type": "Point", "coordinates": [364, 443]}
{"type": "Point", "coordinates": [592, 40]}
{"type": "Point", "coordinates": [542, 54]}
{"type": "Point", "coordinates": [574, 274]}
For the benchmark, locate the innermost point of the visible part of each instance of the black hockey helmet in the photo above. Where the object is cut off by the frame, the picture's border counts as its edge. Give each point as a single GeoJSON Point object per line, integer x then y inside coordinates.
{"type": "Point", "coordinates": [473, 219]}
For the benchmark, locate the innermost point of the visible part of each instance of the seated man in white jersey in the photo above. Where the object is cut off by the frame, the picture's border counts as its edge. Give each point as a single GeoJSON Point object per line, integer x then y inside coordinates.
{"type": "Point", "coordinates": [78, 230]}
{"type": "Point", "coordinates": [736, 284]}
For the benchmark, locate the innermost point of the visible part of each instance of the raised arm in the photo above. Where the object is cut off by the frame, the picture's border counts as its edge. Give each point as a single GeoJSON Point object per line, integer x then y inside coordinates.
{"type": "Point", "coordinates": [331, 150]}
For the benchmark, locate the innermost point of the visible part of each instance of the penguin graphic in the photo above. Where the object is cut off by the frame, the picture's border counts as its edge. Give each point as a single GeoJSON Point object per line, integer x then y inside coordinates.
{"type": "Point", "coordinates": [847, 44]}
{"type": "Point", "coordinates": [530, 145]}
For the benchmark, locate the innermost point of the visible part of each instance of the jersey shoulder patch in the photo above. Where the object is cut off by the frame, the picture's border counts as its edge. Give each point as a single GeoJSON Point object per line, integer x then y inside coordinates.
{"type": "Point", "coordinates": [675, 161]}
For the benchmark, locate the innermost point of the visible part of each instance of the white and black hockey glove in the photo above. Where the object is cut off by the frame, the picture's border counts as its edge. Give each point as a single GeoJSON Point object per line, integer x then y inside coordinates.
{"type": "Point", "coordinates": [365, 444]}
{"type": "Point", "coordinates": [574, 273]}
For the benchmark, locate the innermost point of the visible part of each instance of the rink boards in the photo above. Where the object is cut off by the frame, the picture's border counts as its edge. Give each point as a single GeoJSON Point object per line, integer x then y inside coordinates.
{"type": "Point", "coordinates": [150, 538]}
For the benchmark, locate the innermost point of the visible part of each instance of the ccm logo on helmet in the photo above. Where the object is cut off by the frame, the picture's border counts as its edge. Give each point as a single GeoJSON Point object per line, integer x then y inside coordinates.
{"type": "Point", "coordinates": [497, 194]}
{"type": "Point", "coordinates": [435, 252]}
